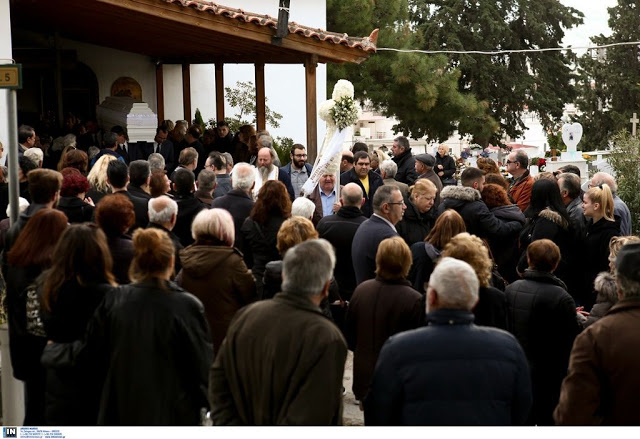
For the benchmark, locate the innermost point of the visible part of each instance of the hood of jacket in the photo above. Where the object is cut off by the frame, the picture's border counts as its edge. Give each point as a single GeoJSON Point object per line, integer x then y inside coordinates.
{"type": "Point", "coordinates": [199, 260]}
{"type": "Point", "coordinates": [432, 252]}
{"type": "Point", "coordinates": [460, 193]}
{"type": "Point", "coordinates": [510, 212]}
{"type": "Point", "coordinates": [554, 217]}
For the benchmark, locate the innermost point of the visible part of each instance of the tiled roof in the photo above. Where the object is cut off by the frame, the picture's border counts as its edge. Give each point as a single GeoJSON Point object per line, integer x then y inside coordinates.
{"type": "Point", "coordinates": [367, 44]}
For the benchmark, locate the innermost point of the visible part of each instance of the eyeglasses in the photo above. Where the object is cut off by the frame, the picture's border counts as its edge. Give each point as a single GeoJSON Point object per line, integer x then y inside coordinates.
{"type": "Point", "coordinates": [590, 186]}
{"type": "Point", "coordinates": [509, 162]}
{"type": "Point", "coordinates": [399, 202]}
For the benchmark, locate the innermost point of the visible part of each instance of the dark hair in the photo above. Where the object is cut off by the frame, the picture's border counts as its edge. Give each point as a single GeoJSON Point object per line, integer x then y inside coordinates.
{"type": "Point", "coordinates": [546, 193]}
{"type": "Point", "coordinates": [297, 146]}
{"type": "Point", "coordinates": [543, 255]}
{"type": "Point", "coordinates": [348, 158]}
{"type": "Point", "coordinates": [448, 225]}
{"type": "Point", "coordinates": [221, 123]}
{"type": "Point", "coordinates": [217, 160]}
{"type": "Point", "coordinates": [110, 140]}
{"type": "Point", "coordinates": [156, 184]}
{"type": "Point", "coordinates": [153, 251]}
{"type": "Point", "coordinates": [81, 253]}
{"type": "Point", "coordinates": [273, 200]}
{"type": "Point", "coordinates": [360, 155]}
{"type": "Point", "coordinates": [402, 142]}
{"type": "Point", "coordinates": [25, 132]}
{"type": "Point", "coordinates": [496, 179]}
{"type": "Point", "coordinates": [162, 128]}
{"type": "Point", "coordinates": [572, 169]}
{"type": "Point", "coordinates": [495, 195]}
{"type": "Point", "coordinates": [43, 185]}
{"type": "Point", "coordinates": [37, 240]}
{"type": "Point", "coordinates": [139, 171]}
{"type": "Point", "coordinates": [183, 179]}
{"type": "Point", "coordinates": [74, 184]}
{"type": "Point", "coordinates": [115, 214]}
{"type": "Point", "coordinates": [195, 131]}
{"type": "Point", "coordinates": [26, 165]}
{"type": "Point", "coordinates": [570, 182]}
{"type": "Point", "coordinates": [470, 176]}
{"type": "Point", "coordinates": [359, 146]}
{"type": "Point", "coordinates": [119, 131]}
{"type": "Point", "coordinates": [75, 158]}
{"type": "Point", "coordinates": [117, 173]}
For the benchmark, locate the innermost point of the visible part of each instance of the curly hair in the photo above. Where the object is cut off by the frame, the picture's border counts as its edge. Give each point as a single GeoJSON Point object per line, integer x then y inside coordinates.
{"type": "Point", "coordinates": [494, 195]}
{"type": "Point", "coordinates": [294, 231]}
{"type": "Point", "coordinates": [115, 214]}
{"type": "Point", "coordinates": [487, 165]}
{"type": "Point", "coordinates": [273, 200]}
{"type": "Point", "coordinates": [471, 249]}
{"type": "Point", "coordinates": [74, 184]}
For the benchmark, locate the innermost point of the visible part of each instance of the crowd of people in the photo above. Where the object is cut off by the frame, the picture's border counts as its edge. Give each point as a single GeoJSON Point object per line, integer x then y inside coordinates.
{"type": "Point", "coordinates": [191, 280]}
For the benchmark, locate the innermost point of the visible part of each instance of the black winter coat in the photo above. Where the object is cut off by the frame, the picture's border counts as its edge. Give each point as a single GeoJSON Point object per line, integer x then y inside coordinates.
{"type": "Point", "coordinates": [476, 215]}
{"type": "Point", "coordinates": [424, 256]}
{"type": "Point", "coordinates": [77, 211]}
{"type": "Point", "coordinates": [448, 167]}
{"type": "Point", "coordinates": [491, 309]}
{"type": "Point", "coordinates": [596, 255]}
{"type": "Point", "coordinates": [415, 226]}
{"type": "Point", "coordinates": [154, 340]}
{"type": "Point", "coordinates": [451, 372]}
{"type": "Point", "coordinates": [375, 181]}
{"type": "Point", "coordinates": [188, 207]}
{"type": "Point", "coordinates": [407, 173]}
{"type": "Point", "coordinates": [505, 251]}
{"type": "Point", "coordinates": [339, 230]}
{"type": "Point", "coordinates": [542, 316]}
{"type": "Point", "coordinates": [239, 205]}
{"type": "Point", "coordinates": [73, 394]}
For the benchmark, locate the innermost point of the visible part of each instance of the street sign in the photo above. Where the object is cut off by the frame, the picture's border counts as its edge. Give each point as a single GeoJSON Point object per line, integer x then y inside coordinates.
{"type": "Point", "coordinates": [11, 76]}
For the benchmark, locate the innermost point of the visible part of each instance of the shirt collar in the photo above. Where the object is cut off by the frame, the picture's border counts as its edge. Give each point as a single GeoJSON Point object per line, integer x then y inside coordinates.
{"type": "Point", "coordinates": [386, 221]}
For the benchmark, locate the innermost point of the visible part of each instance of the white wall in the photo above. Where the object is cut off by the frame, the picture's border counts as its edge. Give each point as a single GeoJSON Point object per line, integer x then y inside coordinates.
{"type": "Point", "coordinates": [284, 84]}
{"type": "Point", "coordinates": [110, 64]}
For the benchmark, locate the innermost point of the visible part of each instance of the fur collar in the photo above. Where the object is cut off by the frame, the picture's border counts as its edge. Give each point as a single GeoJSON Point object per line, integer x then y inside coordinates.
{"type": "Point", "coordinates": [554, 217]}
{"type": "Point", "coordinates": [460, 193]}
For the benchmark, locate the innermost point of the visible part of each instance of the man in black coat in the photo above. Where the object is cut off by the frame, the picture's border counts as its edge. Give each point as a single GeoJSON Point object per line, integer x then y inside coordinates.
{"type": "Point", "coordinates": [188, 205]}
{"type": "Point", "coordinates": [363, 176]}
{"type": "Point", "coordinates": [339, 230]}
{"type": "Point", "coordinates": [163, 146]}
{"type": "Point", "coordinates": [388, 208]}
{"type": "Point", "coordinates": [467, 201]}
{"type": "Point", "coordinates": [238, 201]}
{"type": "Point", "coordinates": [406, 162]}
{"type": "Point", "coordinates": [139, 178]}
{"type": "Point", "coordinates": [163, 214]}
{"type": "Point", "coordinates": [450, 372]}
{"type": "Point", "coordinates": [118, 177]}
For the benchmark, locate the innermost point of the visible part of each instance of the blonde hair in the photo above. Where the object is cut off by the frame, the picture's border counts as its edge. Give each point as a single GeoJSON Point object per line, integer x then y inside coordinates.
{"type": "Point", "coordinates": [98, 175]}
{"type": "Point", "coordinates": [604, 197]}
{"type": "Point", "coordinates": [422, 186]}
{"type": "Point", "coordinates": [153, 253]}
{"type": "Point", "coordinates": [471, 249]}
{"type": "Point", "coordinates": [294, 231]}
{"type": "Point", "coordinates": [393, 259]}
{"type": "Point", "coordinates": [214, 223]}
{"type": "Point", "coordinates": [617, 242]}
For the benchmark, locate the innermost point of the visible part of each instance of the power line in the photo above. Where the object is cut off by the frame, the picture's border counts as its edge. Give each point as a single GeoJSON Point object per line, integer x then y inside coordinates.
{"type": "Point", "coordinates": [502, 52]}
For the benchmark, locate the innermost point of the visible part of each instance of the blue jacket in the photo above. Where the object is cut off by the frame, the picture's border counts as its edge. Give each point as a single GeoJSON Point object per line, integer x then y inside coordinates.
{"type": "Point", "coordinates": [451, 372]}
{"type": "Point", "coordinates": [365, 246]}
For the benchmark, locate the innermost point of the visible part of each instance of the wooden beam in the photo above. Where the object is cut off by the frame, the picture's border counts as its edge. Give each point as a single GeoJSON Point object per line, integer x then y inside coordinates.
{"type": "Point", "coordinates": [312, 111]}
{"type": "Point", "coordinates": [160, 92]}
{"type": "Point", "coordinates": [186, 91]}
{"type": "Point", "coordinates": [261, 107]}
{"type": "Point", "coordinates": [219, 91]}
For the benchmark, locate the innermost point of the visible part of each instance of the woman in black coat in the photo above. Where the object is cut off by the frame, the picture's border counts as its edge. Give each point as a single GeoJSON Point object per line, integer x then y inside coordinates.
{"type": "Point", "coordinates": [72, 290]}
{"type": "Point", "coordinates": [259, 232]}
{"type": "Point", "coordinates": [115, 216]}
{"type": "Point", "coordinates": [26, 259]}
{"type": "Point", "coordinates": [418, 218]}
{"type": "Point", "coordinates": [445, 166]}
{"type": "Point", "coordinates": [542, 316]}
{"type": "Point", "coordinates": [598, 205]}
{"type": "Point", "coordinates": [153, 340]}
{"type": "Point", "coordinates": [425, 254]}
{"type": "Point", "coordinates": [491, 309]}
{"type": "Point", "coordinates": [72, 198]}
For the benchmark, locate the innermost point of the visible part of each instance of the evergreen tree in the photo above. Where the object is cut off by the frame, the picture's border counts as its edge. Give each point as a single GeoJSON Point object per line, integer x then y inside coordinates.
{"type": "Point", "coordinates": [609, 85]}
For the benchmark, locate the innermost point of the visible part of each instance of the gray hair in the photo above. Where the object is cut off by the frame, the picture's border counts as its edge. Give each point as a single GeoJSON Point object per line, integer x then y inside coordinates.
{"type": "Point", "coordinates": [242, 176]}
{"type": "Point", "coordinates": [628, 287]}
{"type": "Point", "coordinates": [156, 161]}
{"type": "Point", "coordinates": [167, 206]}
{"type": "Point", "coordinates": [604, 178]}
{"type": "Point", "coordinates": [383, 195]}
{"type": "Point", "coordinates": [265, 141]}
{"type": "Point", "coordinates": [307, 267]}
{"type": "Point", "coordinates": [228, 158]}
{"type": "Point", "coordinates": [352, 195]}
{"type": "Point", "coordinates": [403, 142]}
{"type": "Point", "coordinates": [522, 158]}
{"type": "Point", "coordinates": [456, 283]}
{"type": "Point", "coordinates": [303, 207]}
{"type": "Point", "coordinates": [571, 183]}
{"type": "Point", "coordinates": [389, 168]}
{"type": "Point", "coordinates": [92, 152]}
{"type": "Point", "coordinates": [206, 180]}
{"type": "Point", "coordinates": [35, 155]}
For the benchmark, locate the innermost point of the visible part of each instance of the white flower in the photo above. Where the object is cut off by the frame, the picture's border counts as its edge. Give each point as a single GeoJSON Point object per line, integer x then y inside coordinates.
{"type": "Point", "coordinates": [325, 111]}
{"type": "Point", "coordinates": [342, 89]}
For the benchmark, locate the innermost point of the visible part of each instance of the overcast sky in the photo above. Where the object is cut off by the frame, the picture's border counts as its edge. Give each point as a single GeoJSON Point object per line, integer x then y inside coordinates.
{"type": "Point", "coordinates": [596, 17]}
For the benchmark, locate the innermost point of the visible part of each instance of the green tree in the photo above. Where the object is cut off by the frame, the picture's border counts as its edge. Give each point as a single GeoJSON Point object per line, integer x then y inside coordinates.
{"type": "Point", "coordinates": [420, 91]}
{"type": "Point", "coordinates": [243, 99]}
{"type": "Point", "coordinates": [609, 85]}
{"type": "Point", "coordinates": [199, 120]}
{"type": "Point", "coordinates": [624, 157]}
{"type": "Point", "coordinates": [509, 83]}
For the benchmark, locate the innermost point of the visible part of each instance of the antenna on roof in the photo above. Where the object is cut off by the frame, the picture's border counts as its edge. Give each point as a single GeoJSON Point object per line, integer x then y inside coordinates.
{"type": "Point", "coordinates": [283, 21]}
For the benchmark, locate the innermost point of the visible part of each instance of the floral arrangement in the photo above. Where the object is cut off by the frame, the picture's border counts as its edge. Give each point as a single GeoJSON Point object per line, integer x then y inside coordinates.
{"type": "Point", "coordinates": [341, 110]}
{"type": "Point", "coordinates": [539, 162]}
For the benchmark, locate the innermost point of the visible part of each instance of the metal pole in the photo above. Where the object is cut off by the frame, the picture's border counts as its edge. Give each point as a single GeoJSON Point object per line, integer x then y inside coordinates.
{"type": "Point", "coordinates": [12, 160]}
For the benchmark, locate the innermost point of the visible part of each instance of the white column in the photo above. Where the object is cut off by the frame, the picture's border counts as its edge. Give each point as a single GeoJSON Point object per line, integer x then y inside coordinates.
{"type": "Point", "coordinates": [12, 389]}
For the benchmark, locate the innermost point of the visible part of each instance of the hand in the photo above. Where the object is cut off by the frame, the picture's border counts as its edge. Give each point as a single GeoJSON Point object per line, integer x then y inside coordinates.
{"type": "Point", "coordinates": [336, 207]}
{"type": "Point", "coordinates": [440, 173]}
{"type": "Point", "coordinates": [440, 167]}
{"type": "Point", "coordinates": [89, 201]}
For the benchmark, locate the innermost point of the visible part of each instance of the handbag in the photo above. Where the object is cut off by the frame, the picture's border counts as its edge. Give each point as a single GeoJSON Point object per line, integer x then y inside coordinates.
{"type": "Point", "coordinates": [34, 322]}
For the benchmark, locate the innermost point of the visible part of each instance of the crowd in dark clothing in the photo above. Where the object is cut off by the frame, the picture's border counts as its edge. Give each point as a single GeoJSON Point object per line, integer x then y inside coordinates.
{"type": "Point", "coordinates": [137, 293]}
